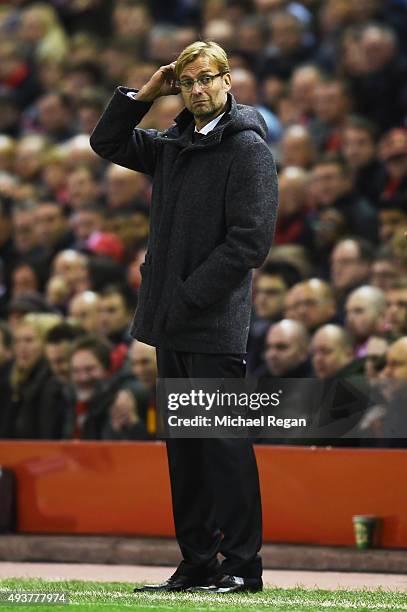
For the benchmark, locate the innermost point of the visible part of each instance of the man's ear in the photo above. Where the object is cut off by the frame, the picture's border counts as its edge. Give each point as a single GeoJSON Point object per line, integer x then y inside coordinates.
{"type": "Point", "coordinates": [227, 81]}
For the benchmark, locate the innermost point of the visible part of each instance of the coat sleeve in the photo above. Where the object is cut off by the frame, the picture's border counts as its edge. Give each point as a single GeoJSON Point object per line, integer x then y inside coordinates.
{"type": "Point", "coordinates": [251, 211]}
{"type": "Point", "coordinates": [115, 138]}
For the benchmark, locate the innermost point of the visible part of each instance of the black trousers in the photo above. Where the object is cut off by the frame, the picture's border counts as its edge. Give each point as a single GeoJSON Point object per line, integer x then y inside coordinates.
{"type": "Point", "coordinates": [214, 482]}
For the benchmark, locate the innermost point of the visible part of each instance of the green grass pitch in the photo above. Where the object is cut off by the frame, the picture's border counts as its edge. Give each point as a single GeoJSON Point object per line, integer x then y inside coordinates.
{"type": "Point", "coordinates": [118, 596]}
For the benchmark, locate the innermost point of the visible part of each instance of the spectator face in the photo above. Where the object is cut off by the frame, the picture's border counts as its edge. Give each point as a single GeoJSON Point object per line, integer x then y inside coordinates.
{"type": "Point", "coordinates": [394, 374]}
{"type": "Point", "coordinates": [204, 103]}
{"type": "Point", "coordinates": [269, 296]}
{"type": "Point", "coordinates": [113, 315]}
{"type": "Point", "coordinates": [296, 148]}
{"type": "Point", "coordinates": [244, 86]}
{"type": "Point", "coordinates": [328, 228]}
{"type": "Point", "coordinates": [58, 357]}
{"type": "Point", "coordinates": [53, 115]}
{"type": "Point", "coordinates": [82, 189]}
{"type": "Point", "coordinates": [286, 33]}
{"type": "Point", "coordinates": [83, 310]}
{"type": "Point", "coordinates": [54, 176]}
{"type": "Point", "coordinates": [9, 115]}
{"type": "Point", "coordinates": [309, 306]}
{"type": "Point", "coordinates": [72, 267]}
{"type": "Point", "coordinates": [328, 184]}
{"type": "Point", "coordinates": [143, 363]}
{"type": "Point", "coordinates": [250, 38]}
{"type": "Point", "coordinates": [303, 87]}
{"type": "Point", "coordinates": [329, 353]}
{"type": "Point", "coordinates": [364, 10]}
{"type": "Point", "coordinates": [115, 64]}
{"type": "Point", "coordinates": [131, 229]}
{"type": "Point", "coordinates": [164, 110]}
{"type": "Point", "coordinates": [292, 191]}
{"type": "Point", "coordinates": [284, 350]}
{"type": "Point", "coordinates": [88, 116]}
{"type": "Point", "coordinates": [50, 224]}
{"type": "Point", "coordinates": [362, 318]}
{"type": "Point", "coordinates": [24, 280]}
{"type": "Point", "coordinates": [24, 233]}
{"type": "Point", "coordinates": [123, 186]}
{"type": "Point", "coordinates": [29, 157]}
{"type": "Point", "coordinates": [389, 223]}
{"type": "Point", "coordinates": [32, 26]}
{"type": "Point", "coordinates": [383, 273]}
{"type": "Point", "coordinates": [85, 222]}
{"type": "Point", "coordinates": [28, 346]}
{"type": "Point", "coordinates": [396, 166]}
{"type": "Point", "coordinates": [347, 268]}
{"type": "Point", "coordinates": [87, 374]}
{"type": "Point", "coordinates": [57, 291]}
{"type": "Point", "coordinates": [375, 356]}
{"type": "Point", "coordinates": [396, 311]}
{"type": "Point", "coordinates": [331, 102]}
{"type": "Point", "coordinates": [376, 48]}
{"type": "Point", "coordinates": [358, 148]}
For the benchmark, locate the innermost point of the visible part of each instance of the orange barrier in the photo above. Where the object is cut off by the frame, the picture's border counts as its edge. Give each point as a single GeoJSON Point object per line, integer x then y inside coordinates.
{"type": "Point", "coordinates": [309, 494]}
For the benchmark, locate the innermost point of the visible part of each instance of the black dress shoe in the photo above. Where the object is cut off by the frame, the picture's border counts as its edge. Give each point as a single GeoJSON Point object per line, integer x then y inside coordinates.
{"type": "Point", "coordinates": [176, 583]}
{"type": "Point", "coordinates": [230, 584]}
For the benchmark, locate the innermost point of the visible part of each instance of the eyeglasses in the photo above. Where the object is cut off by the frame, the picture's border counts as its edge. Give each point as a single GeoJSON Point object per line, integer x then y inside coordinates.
{"type": "Point", "coordinates": [205, 81]}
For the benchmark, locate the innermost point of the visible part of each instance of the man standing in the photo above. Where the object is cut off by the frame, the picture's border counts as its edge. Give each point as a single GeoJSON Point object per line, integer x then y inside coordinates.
{"type": "Point", "coordinates": [213, 213]}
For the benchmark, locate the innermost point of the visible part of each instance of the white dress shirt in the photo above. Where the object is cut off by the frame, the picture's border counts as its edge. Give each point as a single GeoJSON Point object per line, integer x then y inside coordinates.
{"type": "Point", "coordinates": [209, 126]}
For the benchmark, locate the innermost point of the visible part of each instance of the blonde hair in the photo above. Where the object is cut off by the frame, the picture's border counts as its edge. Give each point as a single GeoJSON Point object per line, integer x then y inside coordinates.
{"type": "Point", "coordinates": [54, 42]}
{"type": "Point", "coordinates": [41, 322]}
{"type": "Point", "coordinates": [208, 48]}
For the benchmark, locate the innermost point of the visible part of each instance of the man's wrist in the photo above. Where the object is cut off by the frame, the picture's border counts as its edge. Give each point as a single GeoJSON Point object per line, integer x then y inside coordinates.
{"type": "Point", "coordinates": [143, 96]}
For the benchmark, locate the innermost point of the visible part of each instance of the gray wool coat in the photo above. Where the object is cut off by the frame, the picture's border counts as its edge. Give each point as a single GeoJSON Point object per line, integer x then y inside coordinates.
{"type": "Point", "coordinates": [213, 214]}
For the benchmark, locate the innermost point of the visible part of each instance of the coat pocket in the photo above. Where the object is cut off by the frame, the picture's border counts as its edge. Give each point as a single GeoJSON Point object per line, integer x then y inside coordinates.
{"type": "Point", "coordinates": [179, 312]}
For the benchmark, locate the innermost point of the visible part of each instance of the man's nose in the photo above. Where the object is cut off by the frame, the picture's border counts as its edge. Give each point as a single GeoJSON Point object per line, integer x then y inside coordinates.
{"type": "Point", "coordinates": [198, 86]}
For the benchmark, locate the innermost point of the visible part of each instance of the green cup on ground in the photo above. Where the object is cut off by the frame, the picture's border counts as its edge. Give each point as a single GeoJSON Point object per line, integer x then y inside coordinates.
{"type": "Point", "coordinates": [364, 526]}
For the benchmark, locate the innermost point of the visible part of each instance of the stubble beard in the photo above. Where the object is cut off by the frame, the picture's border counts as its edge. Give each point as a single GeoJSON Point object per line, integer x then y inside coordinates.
{"type": "Point", "coordinates": [206, 113]}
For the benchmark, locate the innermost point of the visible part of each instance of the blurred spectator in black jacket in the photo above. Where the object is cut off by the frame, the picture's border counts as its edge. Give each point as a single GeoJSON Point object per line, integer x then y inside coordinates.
{"type": "Point", "coordinates": [380, 90]}
{"type": "Point", "coordinates": [331, 186]}
{"type": "Point", "coordinates": [332, 103]}
{"type": "Point", "coordinates": [391, 217]}
{"type": "Point", "coordinates": [26, 402]}
{"type": "Point", "coordinates": [332, 352]}
{"type": "Point", "coordinates": [359, 149]}
{"type": "Point", "coordinates": [395, 316]}
{"type": "Point", "coordinates": [271, 284]}
{"type": "Point", "coordinates": [393, 153]}
{"type": "Point", "coordinates": [384, 270]}
{"type": "Point", "coordinates": [58, 344]}
{"type": "Point", "coordinates": [351, 260]}
{"type": "Point", "coordinates": [94, 388]}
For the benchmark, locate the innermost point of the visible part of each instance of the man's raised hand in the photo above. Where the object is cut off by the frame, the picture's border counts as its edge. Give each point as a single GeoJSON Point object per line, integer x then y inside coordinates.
{"type": "Point", "coordinates": [162, 83]}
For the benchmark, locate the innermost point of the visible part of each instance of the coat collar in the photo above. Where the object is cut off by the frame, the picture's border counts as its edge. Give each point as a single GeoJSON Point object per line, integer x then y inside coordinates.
{"type": "Point", "coordinates": [181, 133]}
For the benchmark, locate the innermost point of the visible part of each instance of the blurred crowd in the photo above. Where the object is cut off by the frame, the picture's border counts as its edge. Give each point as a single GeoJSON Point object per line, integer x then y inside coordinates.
{"type": "Point", "coordinates": [329, 78]}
